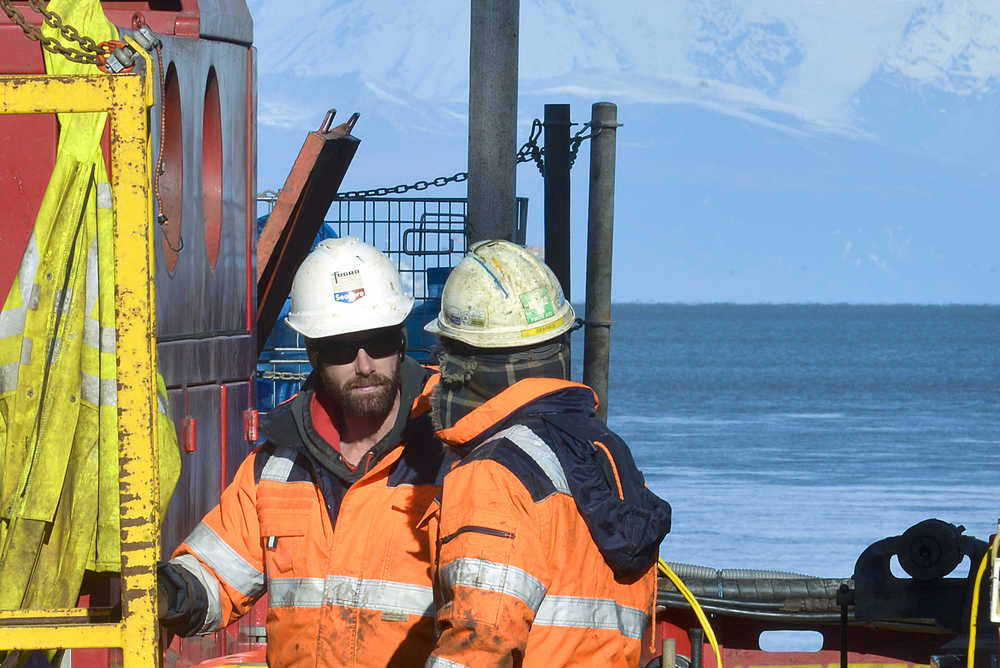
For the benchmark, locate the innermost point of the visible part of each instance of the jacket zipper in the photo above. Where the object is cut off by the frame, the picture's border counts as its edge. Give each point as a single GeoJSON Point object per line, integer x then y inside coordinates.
{"type": "Point", "coordinates": [477, 529]}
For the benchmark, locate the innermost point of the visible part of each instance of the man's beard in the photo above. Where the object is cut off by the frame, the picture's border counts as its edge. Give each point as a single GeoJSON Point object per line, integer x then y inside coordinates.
{"type": "Point", "coordinates": [370, 404]}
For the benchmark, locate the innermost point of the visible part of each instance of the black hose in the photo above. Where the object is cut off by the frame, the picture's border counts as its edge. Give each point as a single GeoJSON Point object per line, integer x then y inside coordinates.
{"type": "Point", "coordinates": [736, 610]}
{"type": "Point", "coordinates": [766, 589]}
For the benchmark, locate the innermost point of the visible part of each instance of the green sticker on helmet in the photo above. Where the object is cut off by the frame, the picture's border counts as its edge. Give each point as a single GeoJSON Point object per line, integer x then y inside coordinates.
{"type": "Point", "coordinates": [537, 305]}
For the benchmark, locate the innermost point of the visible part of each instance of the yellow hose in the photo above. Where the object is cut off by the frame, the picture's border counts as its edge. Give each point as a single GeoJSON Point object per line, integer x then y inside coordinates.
{"type": "Point", "coordinates": [973, 613]}
{"type": "Point", "coordinates": [699, 613]}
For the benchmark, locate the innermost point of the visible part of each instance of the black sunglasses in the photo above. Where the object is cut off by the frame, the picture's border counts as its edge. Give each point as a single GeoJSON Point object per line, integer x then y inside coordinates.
{"type": "Point", "coordinates": [383, 344]}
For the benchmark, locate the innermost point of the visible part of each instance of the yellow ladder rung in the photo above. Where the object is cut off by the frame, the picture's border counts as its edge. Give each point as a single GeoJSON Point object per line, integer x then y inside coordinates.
{"type": "Point", "coordinates": [63, 636]}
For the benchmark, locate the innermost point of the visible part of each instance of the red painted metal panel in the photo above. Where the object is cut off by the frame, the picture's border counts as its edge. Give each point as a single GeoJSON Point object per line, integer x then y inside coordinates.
{"type": "Point", "coordinates": [27, 151]}
{"type": "Point", "coordinates": [211, 169]}
{"type": "Point", "coordinates": [26, 158]}
{"type": "Point", "coordinates": [885, 644]}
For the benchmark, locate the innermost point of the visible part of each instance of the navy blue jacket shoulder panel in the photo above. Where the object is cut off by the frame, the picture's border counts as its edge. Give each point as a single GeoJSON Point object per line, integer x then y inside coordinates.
{"type": "Point", "coordinates": [421, 460]}
{"type": "Point", "coordinates": [518, 462]}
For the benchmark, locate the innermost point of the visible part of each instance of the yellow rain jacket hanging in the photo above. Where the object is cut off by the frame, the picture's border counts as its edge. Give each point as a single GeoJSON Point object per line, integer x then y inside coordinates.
{"type": "Point", "coordinates": [58, 388]}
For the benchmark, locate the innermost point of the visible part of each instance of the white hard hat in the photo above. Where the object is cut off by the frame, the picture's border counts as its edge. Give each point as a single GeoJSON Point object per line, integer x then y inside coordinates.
{"type": "Point", "coordinates": [343, 286]}
{"type": "Point", "coordinates": [501, 296]}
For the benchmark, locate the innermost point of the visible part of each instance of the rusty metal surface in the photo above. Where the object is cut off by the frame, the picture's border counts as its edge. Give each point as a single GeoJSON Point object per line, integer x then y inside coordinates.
{"type": "Point", "coordinates": [198, 487]}
{"type": "Point", "coordinates": [204, 329]}
{"type": "Point", "coordinates": [135, 355]}
{"type": "Point", "coordinates": [200, 482]}
{"type": "Point", "coordinates": [210, 360]}
{"type": "Point", "coordinates": [225, 294]}
{"type": "Point", "coordinates": [219, 294]}
{"type": "Point", "coordinates": [302, 204]}
{"type": "Point", "coordinates": [177, 523]}
{"type": "Point", "coordinates": [236, 445]}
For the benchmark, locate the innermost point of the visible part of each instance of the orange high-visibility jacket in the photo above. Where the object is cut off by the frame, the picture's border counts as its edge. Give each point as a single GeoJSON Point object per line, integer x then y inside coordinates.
{"type": "Point", "coordinates": [346, 571]}
{"type": "Point", "coordinates": [546, 536]}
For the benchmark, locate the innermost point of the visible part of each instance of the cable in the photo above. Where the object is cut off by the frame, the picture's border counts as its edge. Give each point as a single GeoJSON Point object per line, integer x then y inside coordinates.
{"type": "Point", "coordinates": [974, 612]}
{"type": "Point", "coordinates": [699, 613]}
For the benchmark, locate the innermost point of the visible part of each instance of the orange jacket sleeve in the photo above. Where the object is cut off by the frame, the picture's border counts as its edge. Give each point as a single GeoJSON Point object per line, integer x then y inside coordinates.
{"type": "Point", "coordinates": [224, 553]}
{"type": "Point", "coordinates": [492, 566]}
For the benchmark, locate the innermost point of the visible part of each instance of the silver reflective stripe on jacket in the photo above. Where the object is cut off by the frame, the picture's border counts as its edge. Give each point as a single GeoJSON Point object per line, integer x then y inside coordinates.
{"type": "Point", "coordinates": [539, 451]}
{"type": "Point", "coordinates": [278, 465]}
{"type": "Point", "coordinates": [491, 576]}
{"type": "Point", "coordinates": [591, 613]}
{"type": "Point", "coordinates": [438, 662]}
{"type": "Point", "coordinates": [225, 561]}
{"type": "Point", "coordinates": [213, 616]}
{"type": "Point", "coordinates": [382, 595]}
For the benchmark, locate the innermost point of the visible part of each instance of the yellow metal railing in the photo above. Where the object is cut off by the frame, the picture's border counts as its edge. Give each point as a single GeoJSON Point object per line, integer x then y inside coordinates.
{"type": "Point", "coordinates": [126, 97]}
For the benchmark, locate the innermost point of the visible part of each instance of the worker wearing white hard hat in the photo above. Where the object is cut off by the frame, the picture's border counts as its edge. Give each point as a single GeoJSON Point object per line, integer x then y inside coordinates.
{"type": "Point", "coordinates": [329, 503]}
{"type": "Point", "coordinates": [542, 484]}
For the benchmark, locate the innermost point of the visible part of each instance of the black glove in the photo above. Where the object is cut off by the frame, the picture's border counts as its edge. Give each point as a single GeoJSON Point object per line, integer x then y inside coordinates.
{"type": "Point", "coordinates": [183, 601]}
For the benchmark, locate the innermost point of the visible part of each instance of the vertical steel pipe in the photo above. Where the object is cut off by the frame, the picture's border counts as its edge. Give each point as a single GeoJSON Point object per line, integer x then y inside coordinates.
{"type": "Point", "coordinates": [600, 234]}
{"type": "Point", "coordinates": [697, 637]}
{"type": "Point", "coordinates": [557, 254]}
{"type": "Point", "coordinates": [492, 119]}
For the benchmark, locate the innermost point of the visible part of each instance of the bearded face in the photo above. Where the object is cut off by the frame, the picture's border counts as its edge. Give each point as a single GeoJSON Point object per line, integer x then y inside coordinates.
{"type": "Point", "coordinates": [366, 396]}
{"type": "Point", "coordinates": [360, 371]}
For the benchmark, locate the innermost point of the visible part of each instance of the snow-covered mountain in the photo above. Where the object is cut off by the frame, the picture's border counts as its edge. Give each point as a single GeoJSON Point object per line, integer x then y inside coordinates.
{"type": "Point", "coordinates": [796, 99]}
{"type": "Point", "coordinates": [802, 62]}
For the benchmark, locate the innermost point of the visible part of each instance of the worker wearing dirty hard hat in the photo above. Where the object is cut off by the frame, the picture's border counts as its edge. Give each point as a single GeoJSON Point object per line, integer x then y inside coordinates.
{"type": "Point", "coordinates": [546, 535]}
{"type": "Point", "coordinates": [323, 516]}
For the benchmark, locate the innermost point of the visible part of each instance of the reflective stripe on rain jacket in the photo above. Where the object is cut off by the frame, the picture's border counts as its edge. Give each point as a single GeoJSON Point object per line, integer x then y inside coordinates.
{"type": "Point", "coordinates": [346, 570]}
{"type": "Point", "coordinates": [546, 536]}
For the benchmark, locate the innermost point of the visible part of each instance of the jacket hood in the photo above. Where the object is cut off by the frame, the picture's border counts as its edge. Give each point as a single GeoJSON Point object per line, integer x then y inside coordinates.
{"type": "Point", "coordinates": [626, 520]}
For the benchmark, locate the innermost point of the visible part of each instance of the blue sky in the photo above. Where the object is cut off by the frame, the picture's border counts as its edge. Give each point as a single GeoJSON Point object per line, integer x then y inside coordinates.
{"type": "Point", "coordinates": [771, 151]}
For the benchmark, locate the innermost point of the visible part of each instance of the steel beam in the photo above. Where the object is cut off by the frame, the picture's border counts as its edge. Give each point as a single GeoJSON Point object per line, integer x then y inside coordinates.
{"type": "Point", "coordinates": [492, 119]}
{"type": "Point", "coordinates": [557, 251]}
{"type": "Point", "coordinates": [600, 234]}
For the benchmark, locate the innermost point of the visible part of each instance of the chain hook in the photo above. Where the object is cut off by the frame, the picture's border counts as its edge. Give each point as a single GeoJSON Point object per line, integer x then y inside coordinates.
{"type": "Point", "coordinates": [115, 57]}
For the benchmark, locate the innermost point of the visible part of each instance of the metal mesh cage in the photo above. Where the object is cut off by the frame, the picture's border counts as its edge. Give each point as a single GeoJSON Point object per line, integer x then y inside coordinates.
{"type": "Point", "coordinates": [424, 238]}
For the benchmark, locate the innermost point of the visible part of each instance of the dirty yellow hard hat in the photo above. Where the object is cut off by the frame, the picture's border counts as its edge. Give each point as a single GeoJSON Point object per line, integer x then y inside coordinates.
{"type": "Point", "coordinates": [501, 296]}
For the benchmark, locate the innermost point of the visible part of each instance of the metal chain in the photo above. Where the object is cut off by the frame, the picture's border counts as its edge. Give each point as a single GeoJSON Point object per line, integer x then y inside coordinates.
{"type": "Point", "coordinates": [400, 189]}
{"type": "Point", "coordinates": [88, 56]}
{"type": "Point", "coordinates": [68, 31]}
{"type": "Point", "coordinates": [529, 151]}
{"type": "Point", "coordinates": [578, 138]}
{"type": "Point", "coordinates": [282, 375]}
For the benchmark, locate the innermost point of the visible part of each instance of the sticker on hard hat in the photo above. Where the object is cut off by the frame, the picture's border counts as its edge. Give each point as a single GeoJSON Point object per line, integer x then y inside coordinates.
{"type": "Point", "coordinates": [465, 318]}
{"type": "Point", "coordinates": [537, 305]}
{"type": "Point", "coordinates": [349, 296]}
{"type": "Point", "coordinates": [555, 324]}
{"type": "Point", "coordinates": [344, 278]}
{"type": "Point", "coordinates": [347, 286]}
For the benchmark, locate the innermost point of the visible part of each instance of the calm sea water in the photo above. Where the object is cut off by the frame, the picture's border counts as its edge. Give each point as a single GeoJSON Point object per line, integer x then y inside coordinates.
{"type": "Point", "coordinates": [792, 437]}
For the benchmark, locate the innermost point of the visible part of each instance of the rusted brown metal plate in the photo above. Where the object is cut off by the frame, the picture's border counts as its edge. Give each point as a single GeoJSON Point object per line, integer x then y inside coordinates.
{"type": "Point", "coordinates": [309, 190]}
